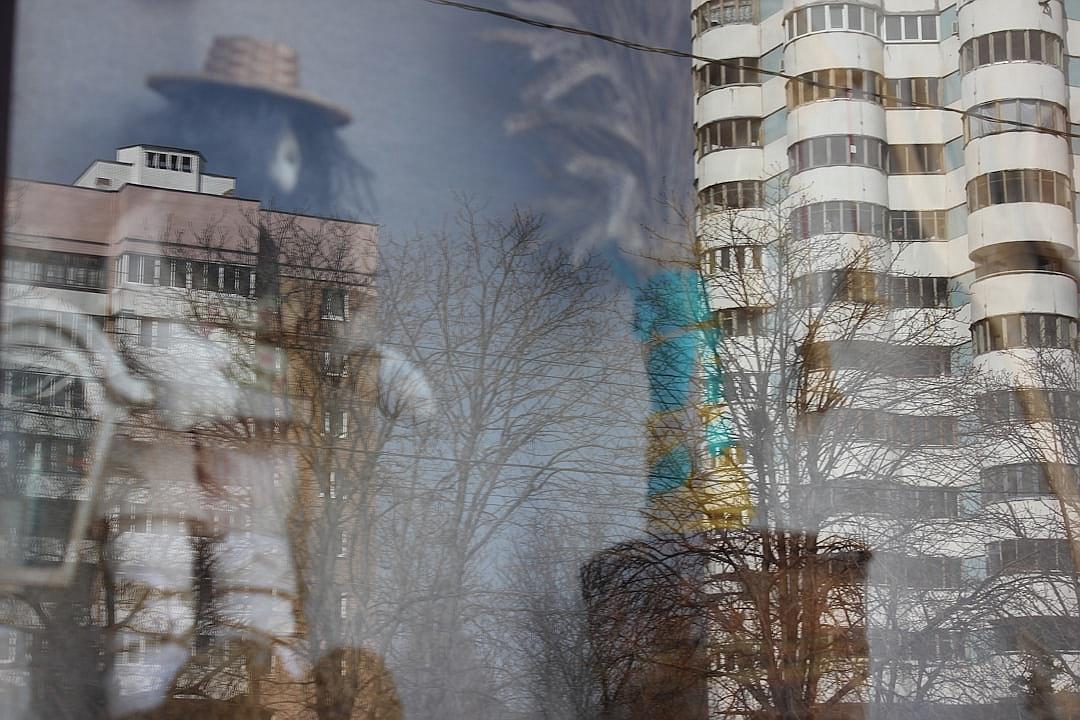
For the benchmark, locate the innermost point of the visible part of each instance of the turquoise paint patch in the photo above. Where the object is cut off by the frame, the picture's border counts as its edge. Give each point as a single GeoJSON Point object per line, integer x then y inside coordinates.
{"type": "Point", "coordinates": [671, 471]}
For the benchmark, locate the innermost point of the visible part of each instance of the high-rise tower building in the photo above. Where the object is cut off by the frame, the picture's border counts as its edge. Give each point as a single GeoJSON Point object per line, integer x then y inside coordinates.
{"type": "Point", "coordinates": [914, 157]}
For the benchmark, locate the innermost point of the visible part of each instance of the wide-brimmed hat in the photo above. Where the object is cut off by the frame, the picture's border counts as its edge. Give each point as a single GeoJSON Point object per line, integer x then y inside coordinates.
{"type": "Point", "coordinates": [251, 64]}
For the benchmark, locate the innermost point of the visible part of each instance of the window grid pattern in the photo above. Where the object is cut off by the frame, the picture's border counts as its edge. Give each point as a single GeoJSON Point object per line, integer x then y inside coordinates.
{"type": "Point", "coordinates": [913, 91]}
{"type": "Point", "coordinates": [716, 13]}
{"type": "Point", "coordinates": [878, 357]}
{"type": "Point", "coordinates": [1024, 555]}
{"type": "Point", "coordinates": [910, 291]}
{"type": "Point", "coordinates": [835, 83]}
{"type": "Point", "coordinates": [736, 71]}
{"type": "Point", "coordinates": [1015, 115]}
{"type": "Point", "coordinates": [737, 194]}
{"type": "Point", "coordinates": [907, 225]}
{"type": "Point", "coordinates": [1029, 405]}
{"type": "Point", "coordinates": [59, 391]}
{"type": "Point", "coordinates": [1013, 186]}
{"type": "Point", "coordinates": [227, 278]}
{"type": "Point", "coordinates": [733, 257]}
{"type": "Point", "coordinates": [1011, 46]}
{"type": "Point", "coordinates": [916, 159]}
{"type": "Point", "coordinates": [1024, 480]}
{"type": "Point", "coordinates": [839, 216]}
{"type": "Point", "coordinates": [832, 17]}
{"type": "Point", "coordinates": [741, 322]}
{"type": "Point", "coordinates": [729, 134]}
{"type": "Point", "coordinates": [55, 269]}
{"type": "Point", "coordinates": [1030, 330]}
{"type": "Point", "coordinates": [831, 150]}
{"type": "Point", "coordinates": [885, 427]}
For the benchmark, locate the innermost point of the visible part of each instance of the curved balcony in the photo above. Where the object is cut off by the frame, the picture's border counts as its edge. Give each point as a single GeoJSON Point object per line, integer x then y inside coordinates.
{"type": "Point", "coordinates": [836, 49]}
{"type": "Point", "coordinates": [735, 40]}
{"type": "Point", "coordinates": [993, 226]}
{"type": "Point", "coordinates": [729, 165]}
{"type": "Point", "coordinates": [729, 102]}
{"type": "Point", "coordinates": [1006, 151]}
{"type": "Point", "coordinates": [987, 16]}
{"type": "Point", "coordinates": [844, 182]}
{"type": "Point", "coordinates": [1022, 366]}
{"type": "Point", "coordinates": [829, 117]}
{"type": "Point", "coordinates": [1023, 292]}
{"type": "Point", "coordinates": [1017, 79]}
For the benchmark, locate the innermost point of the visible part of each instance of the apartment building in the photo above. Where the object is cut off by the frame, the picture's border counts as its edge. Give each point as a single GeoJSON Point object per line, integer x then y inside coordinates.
{"type": "Point", "coordinates": [922, 152]}
{"type": "Point", "coordinates": [248, 331]}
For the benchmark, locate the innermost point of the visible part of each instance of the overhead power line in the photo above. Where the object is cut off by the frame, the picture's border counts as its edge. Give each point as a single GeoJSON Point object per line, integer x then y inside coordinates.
{"type": "Point", "coordinates": [672, 52]}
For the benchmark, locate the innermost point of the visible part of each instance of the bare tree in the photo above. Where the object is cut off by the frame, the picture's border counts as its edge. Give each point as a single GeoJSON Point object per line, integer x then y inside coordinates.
{"type": "Point", "coordinates": [521, 345]}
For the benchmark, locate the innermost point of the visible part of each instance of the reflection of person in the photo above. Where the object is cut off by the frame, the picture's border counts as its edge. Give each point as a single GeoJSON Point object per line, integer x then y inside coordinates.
{"type": "Point", "coordinates": [247, 112]}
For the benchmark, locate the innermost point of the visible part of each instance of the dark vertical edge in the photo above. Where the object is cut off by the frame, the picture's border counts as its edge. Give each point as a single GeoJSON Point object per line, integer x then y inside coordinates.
{"type": "Point", "coordinates": [7, 60]}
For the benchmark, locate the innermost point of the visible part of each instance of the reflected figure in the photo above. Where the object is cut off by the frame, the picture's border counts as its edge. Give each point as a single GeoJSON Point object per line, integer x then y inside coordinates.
{"type": "Point", "coordinates": [247, 112]}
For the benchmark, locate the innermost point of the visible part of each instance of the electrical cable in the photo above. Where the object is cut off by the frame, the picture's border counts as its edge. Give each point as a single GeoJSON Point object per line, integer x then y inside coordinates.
{"type": "Point", "coordinates": [671, 52]}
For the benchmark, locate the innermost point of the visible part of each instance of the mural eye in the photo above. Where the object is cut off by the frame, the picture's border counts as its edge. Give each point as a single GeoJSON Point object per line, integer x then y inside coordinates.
{"type": "Point", "coordinates": [285, 165]}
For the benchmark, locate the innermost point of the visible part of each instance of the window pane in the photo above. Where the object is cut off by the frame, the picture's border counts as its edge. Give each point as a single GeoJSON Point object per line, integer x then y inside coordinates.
{"type": "Point", "coordinates": [836, 17]}
{"type": "Point", "coordinates": [929, 27]}
{"type": "Point", "coordinates": [892, 27]}
{"type": "Point", "coordinates": [817, 18]}
{"type": "Point", "coordinates": [911, 27]}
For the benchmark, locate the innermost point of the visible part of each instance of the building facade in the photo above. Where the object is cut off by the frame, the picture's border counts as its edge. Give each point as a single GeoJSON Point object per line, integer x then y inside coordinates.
{"type": "Point", "coordinates": [914, 155]}
{"type": "Point", "coordinates": [230, 507]}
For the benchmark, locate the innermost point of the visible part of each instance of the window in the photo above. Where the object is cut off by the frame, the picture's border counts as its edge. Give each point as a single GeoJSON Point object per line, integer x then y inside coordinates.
{"type": "Point", "coordinates": [911, 28]}
{"type": "Point", "coordinates": [1029, 405]}
{"type": "Point", "coordinates": [724, 134]}
{"type": "Point", "coordinates": [54, 269]}
{"type": "Point", "coordinates": [837, 150]}
{"type": "Point", "coordinates": [103, 182]}
{"type": "Point", "coordinates": [9, 645]}
{"type": "Point", "coordinates": [734, 257]}
{"type": "Point", "coordinates": [741, 322]}
{"type": "Point", "coordinates": [1022, 555]}
{"type": "Point", "coordinates": [907, 225]}
{"type": "Point", "coordinates": [343, 550]}
{"type": "Point", "coordinates": [1003, 332]}
{"type": "Point", "coordinates": [885, 427]}
{"type": "Point", "coordinates": [1020, 257]}
{"type": "Point", "coordinates": [344, 603]}
{"type": "Point", "coordinates": [336, 423]}
{"type": "Point", "coordinates": [334, 364]}
{"type": "Point", "coordinates": [154, 333]}
{"type": "Point", "coordinates": [913, 92]}
{"type": "Point", "coordinates": [335, 304]}
{"type": "Point", "coordinates": [731, 195]}
{"type": "Point", "coordinates": [834, 16]}
{"type": "Point", "coordinates": [838, 216]}
{"type": "Point", "coordinates": [919, 291]}
{"type": "Point", "coordinates": [59, 391]}
{"type": "Point", "coordinates": [879, 357]}
{"type": "Point", "coordinates": [1020, 480]}
{"type": "Point", "coordinates": [736, 71]}
{"type": "Point", "coordinates": [1010, 46]}
{"type": "Point", "coordinates": [185, 164]}
{"type": "Point", "coordinates": [916, 159]}
{"type": "Point", "coordinates": [822, 288]}
{"type": "Point", "coordinates": [724, 12]}
{"type": "Point", "coordinates": [1014, 115]}
{"type": "Point", "coordinates": [1038, 634]}
{"type": "Point", "coordinates": [1012, 186]}
{"type": "Point", "coordinates": [849, 83]}
{"type": "Point", "coordinates": [925, 571]}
